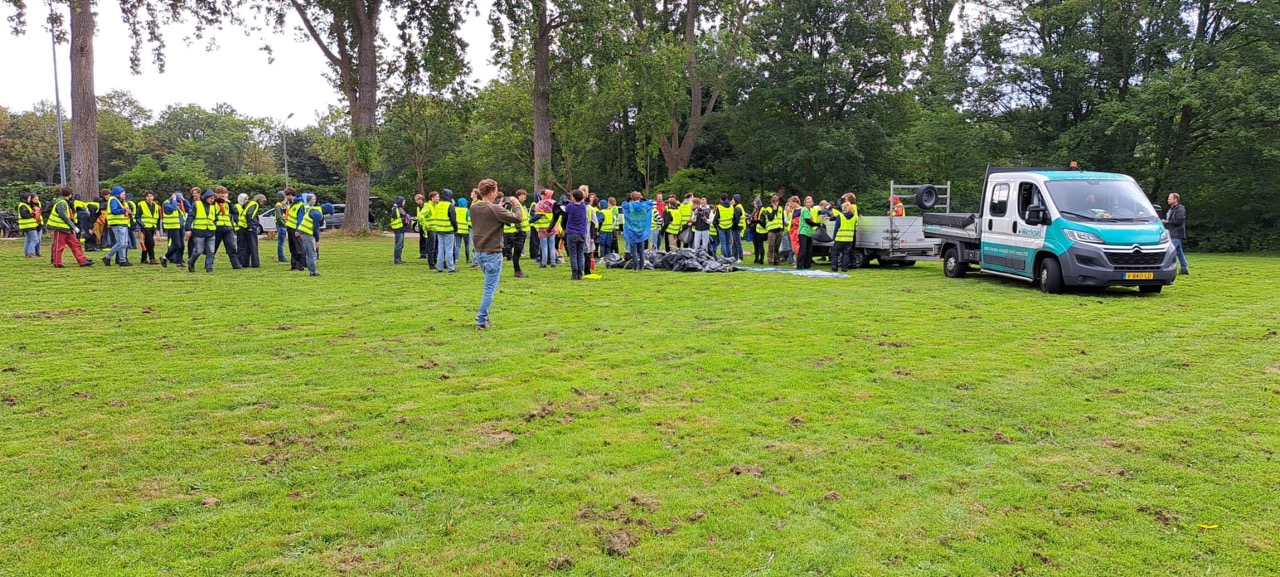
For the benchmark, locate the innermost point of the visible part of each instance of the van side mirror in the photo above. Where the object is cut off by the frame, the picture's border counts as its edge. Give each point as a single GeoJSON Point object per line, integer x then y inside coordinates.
{"type": "Point", "coordinates": [1037, 215]}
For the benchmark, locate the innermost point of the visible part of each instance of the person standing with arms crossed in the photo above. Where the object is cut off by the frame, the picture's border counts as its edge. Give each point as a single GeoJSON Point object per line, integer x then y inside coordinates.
{"type": "Point", "coordinates": [487, 220]}
{"type": "Point", "coordinates": [1175, 220]}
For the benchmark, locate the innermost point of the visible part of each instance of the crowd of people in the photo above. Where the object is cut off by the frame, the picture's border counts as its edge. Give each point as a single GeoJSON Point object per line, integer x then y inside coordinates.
{"type": "Point", "coordinates": [580, 228]}
{"type": "Point", "coordinates": [202, 223]}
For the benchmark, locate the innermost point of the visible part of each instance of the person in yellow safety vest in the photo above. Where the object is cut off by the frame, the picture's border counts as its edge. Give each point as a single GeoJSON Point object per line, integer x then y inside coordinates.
{"type": "Point", "coordinates": [119, 219]}
{"type": "Point", "coordinates": [399, 223]}
{"type": "Point", "coordinates": [606, 224]}
{"type": "Point", "coordinates": [462, 240]}
{"type": "Point", "coordinates": [297, 260]}
{"type": "Point", "coordinates": [655, 227]}
{"type": "Point", "coordinates": [282, 239]}
{"type": "Point", "coordinates": [224, 218]}
{"type": "Point", "coordinates": [772, 218]}
{"type": "Point", "coordinates": [148, 221]}
{"type": "Point", "coordinates": [543, 220]}
{"type": "Point", "coordinates": [444, 217]}
{"type": "Point", "coordinates": [421, 218]}
{"type": "Point", "coordinates": [247, 230]}
{"type": "Point", "coordinates": [535, 242]}
{"type": "Point", "coordinates": [685, 214]}
{"type": "Point", "coordinates": [896, 208]}
{"type": "Point", "coordinates": [133, 222]}
{"type": "Point", "coordinates": [174, 220]}
{"type": "Point", "coordinates": [846, 234]}
{"type": "Point", "coordinates": [204, 229]}
{"type": "Point", "coordinates": [62, 221]}
{"type": "Point", "coordinates": [310, 220]}
{"type": "Point", "coordinates": [672, 225]}
{"type": "Point", "coordinates": [86, 213]}
{"type": "Point", "coordinates": [513, 234]}
{"type": "Point", "coordinates": [430, 226]}
{"type": "Point", "coordinates": [29, 225]}
{"type": "Point", "coordinates": [617, 226]}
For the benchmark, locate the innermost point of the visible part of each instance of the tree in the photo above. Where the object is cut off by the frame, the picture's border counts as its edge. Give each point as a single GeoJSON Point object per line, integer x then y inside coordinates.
{"type": "Point", "coordinates": [32, 150]}
{"type": "Point", "coordinates": [419, 130]}
{"type": "Point", "coordinates": [347, 33]}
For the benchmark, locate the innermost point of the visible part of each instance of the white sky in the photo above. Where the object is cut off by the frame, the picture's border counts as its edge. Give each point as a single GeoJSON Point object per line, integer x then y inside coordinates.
{"type": "Point", "coordinates": [236, 73]}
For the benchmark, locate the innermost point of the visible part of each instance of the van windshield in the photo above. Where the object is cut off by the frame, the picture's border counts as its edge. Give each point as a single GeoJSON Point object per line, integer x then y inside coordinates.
{"type": "Point", "coordinates": [1101, 201]}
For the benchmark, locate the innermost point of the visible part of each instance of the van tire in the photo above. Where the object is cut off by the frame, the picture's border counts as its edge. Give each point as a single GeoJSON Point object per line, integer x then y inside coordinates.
{"type": "Point", "coordinates": [1150, 288]}
{"type": "Point", "coordinates": [926, 196]}
{"type": "Point", "coordinates": [951, 265]}
{"type": "Point", "coordinates": [1050, 276]}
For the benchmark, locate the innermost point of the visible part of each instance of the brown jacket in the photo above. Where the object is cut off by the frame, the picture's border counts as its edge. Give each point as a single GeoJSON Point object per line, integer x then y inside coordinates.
{"type": "Point", "coordinates": [486, 226]}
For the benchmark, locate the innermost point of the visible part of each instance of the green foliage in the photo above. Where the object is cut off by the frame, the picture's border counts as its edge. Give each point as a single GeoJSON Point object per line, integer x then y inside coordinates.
{"type": "Point", "coordinates": [178, 173]}
{"type": "Point", "coordinates": [700, 181]}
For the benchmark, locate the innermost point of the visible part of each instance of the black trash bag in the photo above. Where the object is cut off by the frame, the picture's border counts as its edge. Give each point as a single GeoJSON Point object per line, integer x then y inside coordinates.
{"type": "Point", "coordinates": [612, 260]}
{"type": "Point", "coordinates": [714, 266]}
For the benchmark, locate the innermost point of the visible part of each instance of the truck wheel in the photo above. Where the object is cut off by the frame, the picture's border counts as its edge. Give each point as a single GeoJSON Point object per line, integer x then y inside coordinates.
{"type": "Point", "coordinates": [1151, 289]}
{"type": "Point", "coordinates": [951, 265]}
{"type": "Point", "coordinates": [1050, 276]}
{"type": "Point", "coordinates": [926, 196]}
{"type": "Point", "coordinates": [857, 259]}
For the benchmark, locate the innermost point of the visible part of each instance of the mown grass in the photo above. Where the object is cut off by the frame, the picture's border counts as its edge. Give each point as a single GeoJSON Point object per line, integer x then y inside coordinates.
{"type": "Point", "coordinates": [156, 422]}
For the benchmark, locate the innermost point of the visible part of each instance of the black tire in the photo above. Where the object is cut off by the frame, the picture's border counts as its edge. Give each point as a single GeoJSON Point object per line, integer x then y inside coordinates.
{"type": "Point", "coordinates": [926, 196]}
{"type": "Point", "coordinates": [951, 265]}
{"type": "Point", "coordinates": [858, 259]}
{"type": "Point", "coordinates": [1150, 288]}
{"type": "Point", "coordinates": [1050, 276]}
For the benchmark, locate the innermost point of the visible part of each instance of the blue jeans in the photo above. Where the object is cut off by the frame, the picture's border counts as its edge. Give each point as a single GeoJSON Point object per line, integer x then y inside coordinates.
{"type": "Point", "coordinates": [461, 242]}
{"type": "Point", "coordinates": [121, 247]}
{"type": "Point", "coordinates": [491, 264]}
{"type": "Point", "coordinates": [655, 237]}
{"type": "Point", "coordinates": [399, 250]}
{"type": "Point", "coordinates": [445, 255]}
{"type": "Point", "coordinates": [282, 238]}
{"type": "Point", "coordinates": [202, 245]}
{"type": "Point", "coordinates": [701, 240]}
{"type": "Point", "coordinates": [576, 244]}
{"type": "Point", "coordinates": [308, 243]}
{"type": "Point", "coordinates": [32, 243]}
{"type": "Point", "coordinates": [637, 254]}
{"type": "Point", "coordinates": [730, 243]}
{"type": "Point", "coordinates": [548, 246]}
{"type": "Point", "coordinates": [1182, 256]}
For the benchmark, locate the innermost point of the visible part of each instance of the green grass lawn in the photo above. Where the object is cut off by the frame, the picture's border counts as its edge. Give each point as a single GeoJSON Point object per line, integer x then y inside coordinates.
{"type": "Point", "coordinates": [897, 422]}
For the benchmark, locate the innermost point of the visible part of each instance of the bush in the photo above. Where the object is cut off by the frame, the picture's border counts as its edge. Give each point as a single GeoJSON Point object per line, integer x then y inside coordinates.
{"type": "Point", "coordinates": [701, 182]}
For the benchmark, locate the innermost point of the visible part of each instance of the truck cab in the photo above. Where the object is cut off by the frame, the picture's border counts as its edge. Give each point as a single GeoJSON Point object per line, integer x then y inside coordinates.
{"type": "Point", "coordinates": [1059, 228]}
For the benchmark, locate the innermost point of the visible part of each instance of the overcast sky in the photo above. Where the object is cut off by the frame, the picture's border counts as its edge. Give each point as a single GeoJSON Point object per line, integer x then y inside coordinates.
{"type": "Point", "coordinates": [237, 73]}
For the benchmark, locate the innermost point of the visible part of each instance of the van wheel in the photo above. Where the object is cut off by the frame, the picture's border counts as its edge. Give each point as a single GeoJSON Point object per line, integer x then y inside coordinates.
{"type": "Point", "coordinates": [857, 259]}
{"type": "Point", "coordinates": [951, 265]}
{"type": "Point", "coordinates": [1150, 288]}
{"type": "Point", "coordinates": [1050, 276]}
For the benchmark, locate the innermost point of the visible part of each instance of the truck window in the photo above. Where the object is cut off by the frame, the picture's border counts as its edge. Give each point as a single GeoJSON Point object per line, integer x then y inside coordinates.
{"type": "Point", "coordinates": [999, 200]}
{"type": "Point", "coordinates": [1028, 195]}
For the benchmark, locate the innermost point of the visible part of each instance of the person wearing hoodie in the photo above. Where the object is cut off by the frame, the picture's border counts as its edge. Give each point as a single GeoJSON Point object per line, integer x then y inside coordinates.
{"type": "Point", "coordinates": [307, 230]}
{"type": "Point", "coordinates": [637, 216]}
{"type": "Point", "coordinates": [174, 220]}
{"type": "Point", "coordinates": [203, 236]}
{"type": "Point", "coordinates": [543, 221]}
{"type": "Point", "coordinates": [399, 222]}
{"type": "Point", "coordinates": [118, 218]}
{"type": "Point", "coordinates": [462, 240]}
{"type": "Point", "coordinates": [606, 223]}
{"type": "Point", "coordinates": [445, 218]}
{"type": "Point", "coordinates": [247, 230]}
{"type": "Point", "coordinates": [701, 216]}
{"type": "Point", "coordinates": [29, 224]}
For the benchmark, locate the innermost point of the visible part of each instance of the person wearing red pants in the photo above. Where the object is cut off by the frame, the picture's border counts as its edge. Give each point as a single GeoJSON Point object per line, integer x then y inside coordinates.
{"type": "Point", "coordinates": [65, 232]}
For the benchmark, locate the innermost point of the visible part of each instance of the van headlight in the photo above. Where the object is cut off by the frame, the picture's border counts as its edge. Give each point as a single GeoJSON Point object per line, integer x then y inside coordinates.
{"type": "Point", "coordinates": [1082, 236]}
{"type": "Point", "coordinates": [1164, 236]}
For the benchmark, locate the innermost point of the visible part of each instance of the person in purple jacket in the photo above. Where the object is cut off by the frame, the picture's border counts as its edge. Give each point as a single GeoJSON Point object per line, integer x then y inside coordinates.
{"type": "Point", "coordinates": [576, 229]}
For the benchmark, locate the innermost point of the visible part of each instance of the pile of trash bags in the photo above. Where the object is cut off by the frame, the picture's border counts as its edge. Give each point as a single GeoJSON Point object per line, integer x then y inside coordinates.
{"type": "Point", "coordinates": [682, 260]}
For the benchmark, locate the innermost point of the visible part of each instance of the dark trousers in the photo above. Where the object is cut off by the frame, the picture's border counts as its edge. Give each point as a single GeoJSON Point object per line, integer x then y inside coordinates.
{"type": "Point", "coordinates": [515, 242]}
{"type": "Point", "coordinates": [423, 244]}
{"type": "Point", "coordinates": [247, 244]}
{"type": "Point", "coordinates": [432, 249]}
{"type": "Point", "coordinates": [535, 248]}
{"type": "Point", "coordinates": [758, 240]}
{"type": "Point", "coordinates": [227, 236]}
{"type": "Point", "coordinates": [841, 256]}
{"type": "Point", "coordinates": [297, 260]}
{"type": "Point", "coordinates": [148, 245]}
{"type": "Point", "coordinates": [576, 245]}
{"type": "Point", "coordinates": [176, 246]}
{"type": "Point", "coordinates": [804, 258]}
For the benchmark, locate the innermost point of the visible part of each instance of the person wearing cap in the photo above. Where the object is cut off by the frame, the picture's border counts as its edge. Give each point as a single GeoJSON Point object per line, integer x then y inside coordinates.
{"type": "Point", "coordinates": [148, 220]}
{"type": "Point", "coordinates": [203, 235]}
{"type": "Point", "coordinates": [399, 222]}
{"type": "Point", "coordinates": [247, 230]}
{"type": "Point", "coordinates": [174, 219]}
{"type": "Point", "coordinates": [307, 230]}
{"type": "Point", "coordinates": [282, 235]}
{"type": "Point", "coordinates": [29, 225]}
{"type": "Point", "coordinates": [65, 231]}
{"type": "Point", "coordinates": [118, 219]}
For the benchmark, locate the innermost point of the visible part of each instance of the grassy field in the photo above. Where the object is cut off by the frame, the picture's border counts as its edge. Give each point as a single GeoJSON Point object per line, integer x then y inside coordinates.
{"type": "Point", "coordinates": [156, 422]}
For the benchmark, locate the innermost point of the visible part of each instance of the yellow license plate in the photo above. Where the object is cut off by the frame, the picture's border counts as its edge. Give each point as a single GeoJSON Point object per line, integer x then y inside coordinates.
{"type": "Point", "coordinates": [1139, 276]}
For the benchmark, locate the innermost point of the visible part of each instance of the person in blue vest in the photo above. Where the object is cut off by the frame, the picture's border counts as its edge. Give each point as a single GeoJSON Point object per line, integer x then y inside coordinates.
{"type": "Point", "coordinates": [119, 219]}
{"type": "Point", "coordinates": [307, 230]}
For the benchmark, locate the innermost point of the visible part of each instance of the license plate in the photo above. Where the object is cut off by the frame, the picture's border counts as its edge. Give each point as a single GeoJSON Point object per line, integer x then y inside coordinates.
{"type": "Point", "coordinates": [1139, 276]}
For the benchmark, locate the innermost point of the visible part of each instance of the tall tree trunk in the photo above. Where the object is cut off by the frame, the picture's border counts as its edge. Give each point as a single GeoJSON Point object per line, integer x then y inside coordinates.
{"type": "Point", "coordinates": [364, 118]}
{"type": "Point", "coordinates": [84, 103]}
{"type": "Point", "coordinates": [541, 96]}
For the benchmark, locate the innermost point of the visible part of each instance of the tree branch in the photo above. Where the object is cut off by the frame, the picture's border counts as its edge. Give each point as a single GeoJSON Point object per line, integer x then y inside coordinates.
{"type": "Point", "coordinates": [311, 30]}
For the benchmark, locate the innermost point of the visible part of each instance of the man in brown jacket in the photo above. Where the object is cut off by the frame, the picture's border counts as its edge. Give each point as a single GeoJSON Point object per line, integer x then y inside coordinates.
{"type": "Point", "coordinates": [487, 220]}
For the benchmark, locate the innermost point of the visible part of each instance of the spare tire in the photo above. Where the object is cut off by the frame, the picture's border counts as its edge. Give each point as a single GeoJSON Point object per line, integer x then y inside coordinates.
{"type": "Point", "coordinates": [926, 196]}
